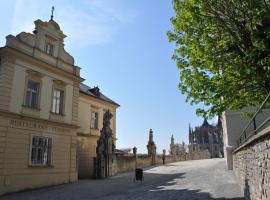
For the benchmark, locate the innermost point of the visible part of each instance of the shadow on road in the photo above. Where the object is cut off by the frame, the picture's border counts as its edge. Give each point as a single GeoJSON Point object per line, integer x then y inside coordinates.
{"type": "Point", "coordinates": [184, 194]}
{"type": "Point", "coordinates": [154, 187]}
{"type": "Point", "coordinates": [168, 188]}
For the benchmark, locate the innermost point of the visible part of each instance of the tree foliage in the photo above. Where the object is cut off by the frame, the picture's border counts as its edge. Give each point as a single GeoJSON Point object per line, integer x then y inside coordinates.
{"type": "Point", "coordinates": [223, 52]}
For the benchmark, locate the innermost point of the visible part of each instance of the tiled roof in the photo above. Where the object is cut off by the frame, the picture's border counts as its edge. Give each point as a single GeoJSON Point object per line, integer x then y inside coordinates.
{"type": "Point", "coordinates": [90, 91]}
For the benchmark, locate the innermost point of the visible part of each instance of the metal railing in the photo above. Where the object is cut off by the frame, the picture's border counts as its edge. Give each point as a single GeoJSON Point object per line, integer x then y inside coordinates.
{"type": "Point", "coordinates": [245, 134]}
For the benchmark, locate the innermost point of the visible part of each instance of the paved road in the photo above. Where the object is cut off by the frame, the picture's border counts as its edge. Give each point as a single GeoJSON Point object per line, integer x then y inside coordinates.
{"type": "Point", "coordinates": [190, 180]}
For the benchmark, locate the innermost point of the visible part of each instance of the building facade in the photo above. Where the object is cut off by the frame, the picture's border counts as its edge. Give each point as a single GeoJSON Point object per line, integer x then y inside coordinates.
{"type": "Point", "coordinates": [49, 120]}
{"type": "Point", "coordinates": [92, 106]}
{"type": "Point", "coordinates": [38, 110]}
{"type": "Point", "coordinates": [207, 137]}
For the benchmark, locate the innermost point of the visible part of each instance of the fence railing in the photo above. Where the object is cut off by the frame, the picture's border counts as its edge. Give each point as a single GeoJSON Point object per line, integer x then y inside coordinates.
{"type": "Point", "coordinates": [249, 131]}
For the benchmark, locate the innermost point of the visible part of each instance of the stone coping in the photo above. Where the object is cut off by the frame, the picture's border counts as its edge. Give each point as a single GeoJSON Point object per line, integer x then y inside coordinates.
{"type": "Point", "coordinates": [265, 132]}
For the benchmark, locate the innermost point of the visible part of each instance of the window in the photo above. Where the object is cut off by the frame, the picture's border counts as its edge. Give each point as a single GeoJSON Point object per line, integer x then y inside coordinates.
{"type": "Point", "coordinates": [94, 120]}
{"type": "Point", "coordinates": [49, 48]}
{"type": "Point", "coordinates": [58, 101]}
{"type": "Point", "coordinates": [32, 91]}
{"type": "Point", "coordinates": [41, 150]}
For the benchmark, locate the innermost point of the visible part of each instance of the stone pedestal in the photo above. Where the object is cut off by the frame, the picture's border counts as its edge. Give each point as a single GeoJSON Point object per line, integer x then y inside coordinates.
{"type": "Point", "coordinates": [229, 157]}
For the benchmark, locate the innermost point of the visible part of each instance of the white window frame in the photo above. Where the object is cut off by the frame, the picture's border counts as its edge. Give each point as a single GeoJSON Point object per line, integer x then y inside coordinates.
{"type": "Point", "coordinates": [29, 92]}
{"type": "Point", "coordinates": [58, 101]}
{"type": "Point", "coordinates": [94, 120]}
{"type": "Point", "coordinates": [49, 48]}
{"type": "Point", "coordinates": [41, 151]}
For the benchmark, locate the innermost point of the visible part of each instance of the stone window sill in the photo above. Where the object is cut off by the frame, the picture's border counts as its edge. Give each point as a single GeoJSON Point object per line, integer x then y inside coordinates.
{"type": "Point", "coordinates": [94, 132]}
{"type": "Point", "coordinates": [40, 166]}
{"type": "Point", "coordinates": [57, 117]}
{"type": "Point", "coordinates": [26, 110]}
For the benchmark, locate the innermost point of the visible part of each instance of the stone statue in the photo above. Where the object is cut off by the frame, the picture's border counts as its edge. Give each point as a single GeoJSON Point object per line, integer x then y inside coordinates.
{"type": "Point", "coordinates": [151, 135]}
{"type": "Point", "coordinates": [151, 147]}
{"type": "Point", "coordinates": [105, 149]}
{"type": "Point", "coordinates": [172, 147]}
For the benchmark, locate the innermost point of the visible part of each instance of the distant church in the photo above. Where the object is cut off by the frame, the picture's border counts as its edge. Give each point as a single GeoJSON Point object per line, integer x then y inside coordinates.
{"type": "Point", "coordinates": [207, 137]}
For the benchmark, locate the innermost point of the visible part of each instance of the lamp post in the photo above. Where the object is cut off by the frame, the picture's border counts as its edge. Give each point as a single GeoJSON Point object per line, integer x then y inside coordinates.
{"type": "Point", "coordinates": [163, 156]}
{"type": "Point", "coordinates": [135, 155]}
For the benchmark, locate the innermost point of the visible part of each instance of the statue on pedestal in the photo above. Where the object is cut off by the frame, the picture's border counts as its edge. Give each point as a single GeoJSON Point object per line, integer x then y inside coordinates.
{"type": "Point", "coordinates": [172, 147]}
{"type": "Point", "coordinates": [105, 149]}
{"type": "Point", "coordinates": [151, 147]}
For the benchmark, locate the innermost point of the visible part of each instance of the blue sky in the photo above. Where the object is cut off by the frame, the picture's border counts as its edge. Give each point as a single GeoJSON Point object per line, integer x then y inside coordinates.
{"type": "Point", "coordinates": [122, 47]}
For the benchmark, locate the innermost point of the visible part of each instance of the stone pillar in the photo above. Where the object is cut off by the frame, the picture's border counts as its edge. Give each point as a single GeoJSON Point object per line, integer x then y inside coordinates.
{"type": "Point", "coordinates": [151, 147]}
{"type": "Point", "coordinates": [229, 158]}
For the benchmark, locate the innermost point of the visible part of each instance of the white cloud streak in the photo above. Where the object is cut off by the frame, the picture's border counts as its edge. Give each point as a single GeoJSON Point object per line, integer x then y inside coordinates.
{"type": "Point", "coordinates": [24, 13]}
{"type": "Point", "coordinates": [86, 22]}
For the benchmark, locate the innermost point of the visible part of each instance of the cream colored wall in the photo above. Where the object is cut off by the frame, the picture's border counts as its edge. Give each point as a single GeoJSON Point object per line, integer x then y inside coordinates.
{"type": "Point", "coordinates": [18, 57]}
{"type": "Point", "coordinates": [68, 103]}
{"type": "Point", "coordinates": [15, 167]}
{"type": "Point", "coordinates": [6, 79]}
{"type": "Point", "coordinates": [84, 117]}
{"type": "Point", "coordinates": [18, 91]}
{"type": "Point", "coordinates": [88, 104]}
{"type": "Point", "coordinates": [3, 130]}
{"type": "Point", "coordinates": [87, 153]}
{"type": "Point", "coordinates": [46, 97]}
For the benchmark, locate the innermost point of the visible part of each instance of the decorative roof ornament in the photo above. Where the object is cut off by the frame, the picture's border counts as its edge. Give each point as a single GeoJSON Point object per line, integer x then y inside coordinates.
{"type": "Point", "coordinates": [95, 90]}
{"type": "Point", "coordinates": [151, 135]}
{"type": "Point", "coordinates": [52, 13]}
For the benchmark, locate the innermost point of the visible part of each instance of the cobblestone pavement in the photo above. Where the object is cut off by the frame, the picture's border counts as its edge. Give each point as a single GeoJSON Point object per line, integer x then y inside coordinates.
{"type": "Point", "coordinates": [189, 180]}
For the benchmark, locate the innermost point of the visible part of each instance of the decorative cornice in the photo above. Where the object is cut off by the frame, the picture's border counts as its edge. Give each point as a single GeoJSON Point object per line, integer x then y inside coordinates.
{"type": "Point", "coordinates": [34, 73]}
{"type": "Point", "coordinates": [59, 83]}
{"type": "Point", "coordinates": [38, 62]}
{"type": "Point", "coordinates": [25, 117]}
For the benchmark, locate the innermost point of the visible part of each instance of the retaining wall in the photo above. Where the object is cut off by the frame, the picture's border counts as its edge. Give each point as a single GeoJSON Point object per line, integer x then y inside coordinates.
{"type": "Point", "coordinates": [251, 164]}
{"type": "Point", "coordinates": [128, 163]}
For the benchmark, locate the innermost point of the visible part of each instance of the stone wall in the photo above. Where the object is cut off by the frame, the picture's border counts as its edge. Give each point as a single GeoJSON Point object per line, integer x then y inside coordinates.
{"type": "Point", "coordinates": [128, 163]}
{"type": "Point", "coordinates": [124, 164]}
{"type": "Point", "coordinates": [251, 164]}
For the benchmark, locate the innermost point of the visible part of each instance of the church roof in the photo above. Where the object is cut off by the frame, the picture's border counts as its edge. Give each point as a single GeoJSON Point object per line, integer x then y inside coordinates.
{"type": "Point", "coordinates": [94, 92]}
{"type": "Point", "coordinates": [205, 123]}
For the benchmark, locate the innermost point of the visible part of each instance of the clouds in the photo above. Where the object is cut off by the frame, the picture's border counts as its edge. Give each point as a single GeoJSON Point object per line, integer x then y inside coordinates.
{"type": "Point", "coordinates": [24, 12]}
{"type": "Point", "coordinates": [86, 22]}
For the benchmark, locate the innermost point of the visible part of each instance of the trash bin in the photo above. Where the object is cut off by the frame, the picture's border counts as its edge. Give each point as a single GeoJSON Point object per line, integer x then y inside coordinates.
{"type": "Point", "coordinates": [139, 174]}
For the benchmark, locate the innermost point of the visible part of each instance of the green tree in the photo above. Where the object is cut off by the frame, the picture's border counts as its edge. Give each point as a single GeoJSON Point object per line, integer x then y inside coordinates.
{"type": "Point", "coordinates": [223, 52]}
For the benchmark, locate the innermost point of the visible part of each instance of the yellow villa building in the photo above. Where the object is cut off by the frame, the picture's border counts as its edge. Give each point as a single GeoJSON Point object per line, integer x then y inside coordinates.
{"type": "Point", "coordinates": [49, 120]}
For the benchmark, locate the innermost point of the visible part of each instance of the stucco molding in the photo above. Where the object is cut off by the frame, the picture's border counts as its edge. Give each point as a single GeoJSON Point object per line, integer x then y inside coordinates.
{"type": "Point", "coordinates": [44, 65]}
{"type": "Point", "coordinates": [4, 113]}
